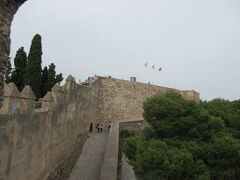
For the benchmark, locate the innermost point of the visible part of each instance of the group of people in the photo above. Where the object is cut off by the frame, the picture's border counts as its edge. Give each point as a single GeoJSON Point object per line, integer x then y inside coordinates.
{"type": "Point", "coordinates": [99, 127]}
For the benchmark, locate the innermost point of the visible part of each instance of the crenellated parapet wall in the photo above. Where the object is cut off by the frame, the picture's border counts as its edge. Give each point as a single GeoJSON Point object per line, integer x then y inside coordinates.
{"type": "Point", "coordinates": [33, 142]}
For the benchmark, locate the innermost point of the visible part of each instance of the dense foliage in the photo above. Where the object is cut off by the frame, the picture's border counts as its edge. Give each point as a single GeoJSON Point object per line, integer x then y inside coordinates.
{"type": "Point", "coordinates": [19, 73]}
{"type": "Point", "coordinates": [34, 68]}
{"type": "Point", "coordinates": [28, 70]}
{"type": "Point", "coordinates": [49, 78]}
{"type": "Point", "coordinates": [229, 111]}
{"type": "Point", "coordinates": [186, 140]}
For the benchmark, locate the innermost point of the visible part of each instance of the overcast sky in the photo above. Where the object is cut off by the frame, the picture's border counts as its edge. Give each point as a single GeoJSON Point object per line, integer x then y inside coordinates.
{"type": "Point", "coordinates": [196, 42]}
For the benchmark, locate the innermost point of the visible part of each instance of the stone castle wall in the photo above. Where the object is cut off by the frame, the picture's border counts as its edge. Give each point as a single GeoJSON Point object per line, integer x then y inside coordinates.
{"type": "Point", "coordinates": [33, 142]}
{"type": "Point", "coordinates": [123, 100]}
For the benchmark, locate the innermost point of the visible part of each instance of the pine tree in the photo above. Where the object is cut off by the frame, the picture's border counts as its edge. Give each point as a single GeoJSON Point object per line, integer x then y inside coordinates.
{"type": "Point", "coordinates": [19, 74]}
{"type": "Point", "coordinates": [34, 69]}
{"type": "Point", "coordinates": [45, 83]}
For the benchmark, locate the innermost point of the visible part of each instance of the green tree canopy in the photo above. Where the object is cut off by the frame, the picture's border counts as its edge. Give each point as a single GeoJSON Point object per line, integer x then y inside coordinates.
{"type": "Point", "coordinates": [29, 71]}
{"type": "Point", "coordinates": [45, 81]}
{"type": "Point", "coordinates": [186, 140]}
{"type": "Point", "coordinates": [34, 68]}
{"type": "Point", "coordinates": [52, 75]}
{"type": "Point", "coordinates": [173, 116]}
{"type": "Point", "coordinates": [19, 73]}
{"type": "Point", "coordinates": [49, 78]}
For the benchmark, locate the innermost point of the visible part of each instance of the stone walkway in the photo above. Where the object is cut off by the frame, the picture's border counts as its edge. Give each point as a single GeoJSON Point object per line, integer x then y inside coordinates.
{"type": "Point", "coordinates": [88, 165]}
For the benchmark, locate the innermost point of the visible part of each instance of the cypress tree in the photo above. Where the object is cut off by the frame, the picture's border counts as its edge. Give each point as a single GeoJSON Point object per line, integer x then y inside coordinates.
{"type": "Point", "coordinates": [34, 69]}
{"type": "Point", "coordinates": [19, 74]}
{"type": "Point", "coordinates": [45, 83]}
{"type": "Point", "coordinates": [51, 75]}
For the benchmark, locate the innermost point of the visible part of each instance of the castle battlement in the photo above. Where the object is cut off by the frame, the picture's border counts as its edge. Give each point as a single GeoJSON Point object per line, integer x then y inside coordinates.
{"type": "Point", "coordinates": [34, 139]}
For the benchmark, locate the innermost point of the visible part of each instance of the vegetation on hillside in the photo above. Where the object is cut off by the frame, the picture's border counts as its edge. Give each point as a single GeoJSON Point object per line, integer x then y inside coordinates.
{"type": "Point", "coordinates": [187, 140]}
{"type": "Point", "coordinates": [28, 70]}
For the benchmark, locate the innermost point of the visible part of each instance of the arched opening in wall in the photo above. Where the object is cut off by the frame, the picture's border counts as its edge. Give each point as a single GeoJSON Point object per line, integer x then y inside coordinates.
{"type": "Point", "coordinates": [91, 127]}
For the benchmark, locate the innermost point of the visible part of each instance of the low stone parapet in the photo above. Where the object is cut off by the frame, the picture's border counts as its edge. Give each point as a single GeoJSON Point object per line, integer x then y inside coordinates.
{"type": "Point", "coordinates": [110, 161]}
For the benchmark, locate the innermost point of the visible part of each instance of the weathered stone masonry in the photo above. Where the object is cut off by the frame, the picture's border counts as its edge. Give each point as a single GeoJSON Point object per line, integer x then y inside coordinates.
{"type": "Point", "coordinates": [123, 100]}
{"type": "Point", "coordinates": [33, 142]}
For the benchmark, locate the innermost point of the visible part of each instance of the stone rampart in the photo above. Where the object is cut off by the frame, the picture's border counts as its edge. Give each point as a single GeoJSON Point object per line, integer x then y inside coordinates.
{"type": "Point", "coordinates": [33, 142]}
{"type": "Point", "coordinates": [123, 100]}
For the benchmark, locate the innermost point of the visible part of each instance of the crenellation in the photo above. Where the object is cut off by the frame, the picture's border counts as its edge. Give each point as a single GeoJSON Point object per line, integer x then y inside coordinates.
{"type": "Point", "coordinates": [57, 94]}
{"type": "Point", "coordinates": [11, 90]}
{"type": "Point", "coordinates": [42, 138]}
{"type": "Point", "coordinates": [39, 139]}
{"type": "Point", "coordinates": [47, 101]}
{"type": "Point", "coordinates": [11, 102]}
{"type": "Point", "coordinates": [70, 84]}
{"type": "Point", "coordinates": [27, 93]}
{"type": "Point", "coordinates": [27, 99]}
{"type": "Point", "coordinates": [70, 78]}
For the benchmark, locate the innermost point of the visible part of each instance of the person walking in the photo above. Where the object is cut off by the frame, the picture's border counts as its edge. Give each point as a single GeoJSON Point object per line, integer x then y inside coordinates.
{"type": "Point", "coordinates": [109, 124]}
{"type": "Point", "coordinates": [101, 128]}
{"type": "Point", "coordinates": [98, 127]}
{"type": "Point", "coordinates": [91, 127]}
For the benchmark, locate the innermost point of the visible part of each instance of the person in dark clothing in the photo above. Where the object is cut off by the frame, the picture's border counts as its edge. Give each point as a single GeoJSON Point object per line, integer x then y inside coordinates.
{"type": "Point", "coordinates": [98, 127]}
{"type": "Point", "coordinates": [91, 127]}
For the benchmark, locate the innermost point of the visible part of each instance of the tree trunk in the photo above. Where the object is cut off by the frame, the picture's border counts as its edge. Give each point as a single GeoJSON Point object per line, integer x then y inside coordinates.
{"type": "Point", "coordinates": [7, 10]}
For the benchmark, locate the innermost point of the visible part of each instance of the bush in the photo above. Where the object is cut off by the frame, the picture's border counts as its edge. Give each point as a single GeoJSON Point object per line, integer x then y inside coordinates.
{"type": "Point", "coordinates": [172, 116]}
{"type": "Point", "coordinates": [149, 133]}
{"type": "Point", "coordinates": [130, 147]}
{"type": "Point", "coordinates": [154, 159]}
{"type": "Point", "coordinates": [187, 140]}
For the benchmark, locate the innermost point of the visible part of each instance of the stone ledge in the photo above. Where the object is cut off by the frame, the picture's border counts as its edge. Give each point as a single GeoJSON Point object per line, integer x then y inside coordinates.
{"type": "Point", "coordinates": [110, 161]}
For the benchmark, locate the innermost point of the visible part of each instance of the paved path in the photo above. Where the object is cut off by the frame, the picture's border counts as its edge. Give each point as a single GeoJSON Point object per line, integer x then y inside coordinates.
{"type": "Point", "coordinates": [88, 165]}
